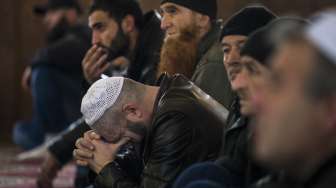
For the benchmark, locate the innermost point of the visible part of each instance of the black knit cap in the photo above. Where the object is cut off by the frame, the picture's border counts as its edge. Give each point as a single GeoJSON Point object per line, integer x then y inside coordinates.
{"type": "Point", "coordinates": [247, 20]}
{"type": "Point", "coordinates": [206, 7]}
{"type": "Point", "coordinates": [259, 46]}
{"type": "Point", "coordinates": [41, 9]}
{"type": "Point", "coordinates": [262, 43]}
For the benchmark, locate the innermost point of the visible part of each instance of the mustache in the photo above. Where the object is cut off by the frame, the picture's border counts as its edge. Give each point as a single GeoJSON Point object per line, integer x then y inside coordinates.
{"type": "Point", "coordinates": [111, 54]}
{"type": "Point", "coordinates": [242, 94]}
{"type": "Point", "coordinates": [233, 70]}
{"type": "Point", "coordinates": [118, 47]}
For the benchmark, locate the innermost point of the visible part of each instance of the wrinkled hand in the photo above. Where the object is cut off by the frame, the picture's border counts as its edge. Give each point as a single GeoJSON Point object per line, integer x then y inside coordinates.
{"type": "Point", "coordinates": [48, 172]}
{"type": "Point", "coordinates": [105, 153]}
{"type": "Point", "coordinates": [94, 63]}
{"type": "Point", "coordinates": [85, 148]}
{"type": "Point", "coordinates": [26, 77]}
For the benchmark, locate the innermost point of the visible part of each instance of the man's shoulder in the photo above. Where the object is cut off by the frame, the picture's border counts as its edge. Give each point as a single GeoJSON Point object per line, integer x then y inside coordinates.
{"type": "Point", "coordinates": [178, 96]}
{"type": "Point", "coordinates": [213, 56]}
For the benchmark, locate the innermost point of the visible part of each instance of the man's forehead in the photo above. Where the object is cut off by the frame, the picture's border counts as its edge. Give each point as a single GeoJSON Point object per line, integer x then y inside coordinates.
{"type": "Point", "coordinates": [169, 5]}
{"type": "Point", "coordinates": [98, 16]}
{"type": "Point", "coordinates": [233, 39]}
{"type": "Point", "coordinates": [293, 59]}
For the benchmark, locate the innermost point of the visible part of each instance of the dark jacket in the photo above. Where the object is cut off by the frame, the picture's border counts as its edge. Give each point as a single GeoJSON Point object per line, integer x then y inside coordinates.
{"type": "Point", "coordinates": [235, 152]}
{"type": "Point", "coordinates": [210, 74]}
{"type": "Point", "coordinates": [186, 129]}
{"type": "Point", "coordinates": [66, 49]}
{"type": "Point", "coordinates": [324, 177]}
{"type": "Point", "coordinates": [143, 66]}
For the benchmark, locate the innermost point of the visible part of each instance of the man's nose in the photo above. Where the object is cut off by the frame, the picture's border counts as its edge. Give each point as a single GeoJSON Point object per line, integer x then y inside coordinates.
{"type": "Point", "coordinates": [95, 38]}
{"type": "Point", "coordinates": [165, 23]}
{"type": "Point", "coordinates": [233, 56]}
{"type": "Point", "coordinates": [239, 81]}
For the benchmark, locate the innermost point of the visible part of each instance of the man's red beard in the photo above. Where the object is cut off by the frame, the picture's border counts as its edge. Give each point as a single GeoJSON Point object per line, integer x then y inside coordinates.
{"type": "Point", "coordinates": [179, 54]}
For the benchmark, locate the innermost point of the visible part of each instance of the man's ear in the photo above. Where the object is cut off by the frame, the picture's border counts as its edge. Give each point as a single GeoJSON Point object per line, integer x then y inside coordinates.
{"type": "Point", "coordinates": [202, 20]}
{"type": "Point", "coordinates": [132, 112]}
{"type": "Point", "coordinates": [128, 24]}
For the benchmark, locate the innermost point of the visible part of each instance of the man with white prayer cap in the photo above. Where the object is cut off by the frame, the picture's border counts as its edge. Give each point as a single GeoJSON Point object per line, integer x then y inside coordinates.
{"type": "Point", "coordinates": [176, 124]}
{"type": "Point", "coordinates": [295, 130]}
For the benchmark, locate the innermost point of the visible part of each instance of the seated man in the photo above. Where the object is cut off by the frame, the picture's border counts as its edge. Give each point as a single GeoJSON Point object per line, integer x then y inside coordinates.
{"type": "Point", "coordinates": [54, 78]}
{"type": "Point", "coordinates": [177, 124]}
{"type": "Point", "coordinates": [295, 129]}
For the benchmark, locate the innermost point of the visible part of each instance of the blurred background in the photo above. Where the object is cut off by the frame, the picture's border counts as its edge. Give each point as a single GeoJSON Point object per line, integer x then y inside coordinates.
{"type": "Point", "coordinates": [21, 33]}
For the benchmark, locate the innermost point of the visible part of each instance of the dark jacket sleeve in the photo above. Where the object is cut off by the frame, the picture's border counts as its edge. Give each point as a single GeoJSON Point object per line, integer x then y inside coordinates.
{"type": "Point", "coordinates": [170, 151]}
{"type": "Point", "coordinates": [165, 156]}
{"type": "Point", "coordinates": [63, 147]}
{"type": "Point", "coordinates": [65, 54]}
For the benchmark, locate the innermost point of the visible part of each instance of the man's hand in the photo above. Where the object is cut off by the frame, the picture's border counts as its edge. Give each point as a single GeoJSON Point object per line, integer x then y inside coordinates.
{"type": "Point", "coordinates": [84, 152]}
{"type": "Point", "coordinates": [105, 153]}
{"type": "Point", "coordinates": [94, 63]}
{"type": "Point", "coordinates": [26, 77]}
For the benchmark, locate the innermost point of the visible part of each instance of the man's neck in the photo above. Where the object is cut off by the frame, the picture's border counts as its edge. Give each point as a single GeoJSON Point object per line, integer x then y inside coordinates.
{"type": "Point", "coordinates": [204, 31]}
{"type": "Point", "coordinates": [305, 167]}
{"type": "Point", "coordinates": [149, 101]}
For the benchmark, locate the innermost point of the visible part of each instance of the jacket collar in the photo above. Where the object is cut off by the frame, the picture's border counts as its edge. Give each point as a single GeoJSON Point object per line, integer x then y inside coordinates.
{"type": "Point", "coordinates": [324, 173]}
{"type": "Point", "coordinates": [209, 39]}
{"type": "Point", "coordinates": [163, 82]}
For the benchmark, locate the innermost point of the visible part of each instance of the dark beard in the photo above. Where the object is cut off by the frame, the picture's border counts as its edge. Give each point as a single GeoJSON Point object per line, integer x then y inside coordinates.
{"type": "Point", "coordinates": [58, 31]}
{"type": "Point", "coordinates": [137, 128]}
{"type": "Point", "coordinates": [179, 54]}
{"type": "Point", "coordinates": [119, 46]}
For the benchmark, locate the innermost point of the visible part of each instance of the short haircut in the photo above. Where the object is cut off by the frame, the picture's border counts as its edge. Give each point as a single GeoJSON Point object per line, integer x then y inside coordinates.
{"type": "Point", "coordinates": [119, 9]}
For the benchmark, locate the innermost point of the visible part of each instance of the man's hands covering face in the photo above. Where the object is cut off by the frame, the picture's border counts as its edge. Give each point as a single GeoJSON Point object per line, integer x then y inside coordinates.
{"type": "Point", "coordinates": [95, 153]}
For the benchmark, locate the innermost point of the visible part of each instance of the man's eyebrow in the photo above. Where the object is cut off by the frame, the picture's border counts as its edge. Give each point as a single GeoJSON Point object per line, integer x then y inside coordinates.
{"type": "Point", "coordinates": [96, 24]}
{"type": "Point", "coordinates": [241, 41]}
{"type": "Point", "coordinates": [235, 43]}
{"type": "Point", "coordinates": [225, 44]}
{"type": "Point", "coordinates": [168, 7]}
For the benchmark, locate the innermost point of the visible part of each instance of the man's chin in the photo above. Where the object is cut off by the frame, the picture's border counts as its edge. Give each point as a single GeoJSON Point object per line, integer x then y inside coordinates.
{"type": "Point", "coordinates": [245, 109]}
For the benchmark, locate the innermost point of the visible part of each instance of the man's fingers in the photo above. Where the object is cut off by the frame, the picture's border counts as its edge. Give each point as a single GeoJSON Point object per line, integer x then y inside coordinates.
{"type": "Point", "coordinates": [82, 143]}
{"type": "Point", "coordinates": [94, 136]}
{"type": "Point", "coordinates": [87, 134]}
{"type": "Point", "coordinates": [95, 69]}
{"type": "Point", "coordinates": [89, 53]}
{"type": "Point", "coordinates": [92, 60]}
{"type": "Point", "coordinates": [83, 154]}
{"type": "Point", "coordinates": [82, 163]}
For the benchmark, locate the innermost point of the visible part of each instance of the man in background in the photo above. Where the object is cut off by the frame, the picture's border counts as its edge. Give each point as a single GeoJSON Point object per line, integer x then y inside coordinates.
{"type": "Point", "coordinates": [195, 22]}
{"type": "Point", "coordinates": [54, 76]}
{"type": "Point", "coordinates": [295, 126]}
